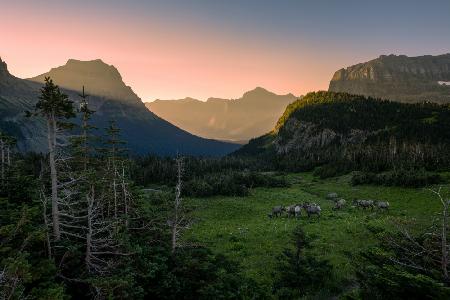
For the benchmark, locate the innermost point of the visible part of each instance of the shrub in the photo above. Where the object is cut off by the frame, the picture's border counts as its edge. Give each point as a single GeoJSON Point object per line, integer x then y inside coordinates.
{"type": "Point", "coordinates": [230, 184]}
{"type": "Point", "coordinates": [400, 177]}
{"type": "Point", "coordinates": [299, 273]}
{"type": "Point", "coordinates": [333, 170]}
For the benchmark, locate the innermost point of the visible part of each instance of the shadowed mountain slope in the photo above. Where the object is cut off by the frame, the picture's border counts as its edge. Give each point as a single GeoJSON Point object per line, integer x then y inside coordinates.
{"type": "Point", "coordinates": [143, 131]}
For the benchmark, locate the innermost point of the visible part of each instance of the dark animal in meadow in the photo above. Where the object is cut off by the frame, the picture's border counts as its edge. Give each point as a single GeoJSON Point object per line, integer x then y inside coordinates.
{"type": "Point", "coordinates": [332, 196]}
{"type": "Point", "coordinates": [312, 209]}
{"type": "Point", "coordinates": [270, 216]}
{"type": "Point", "coordinates": [277, 211]}
{"type": "Point", "coordinates": [339, 204]}
{"type": "Point", "coordinates": [382, 205]}
{"type": "Point", "coordinates": [364, 204]}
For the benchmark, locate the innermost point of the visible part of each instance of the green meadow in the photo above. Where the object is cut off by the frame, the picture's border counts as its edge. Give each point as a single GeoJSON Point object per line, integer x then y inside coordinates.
{"type": "Point", "coordinates": [239, 227]}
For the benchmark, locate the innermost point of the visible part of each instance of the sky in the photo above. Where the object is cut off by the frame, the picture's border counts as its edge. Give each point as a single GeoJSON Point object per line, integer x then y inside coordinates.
{"type": "Point", "coordinates": [172, 49]}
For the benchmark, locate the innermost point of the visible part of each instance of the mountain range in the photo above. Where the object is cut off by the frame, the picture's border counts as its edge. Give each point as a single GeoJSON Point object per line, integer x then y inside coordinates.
{"type": "Point", "coordinates": [239, 120]}
{"type": "Point", "coordinates": [398, 78]}
{"type": "Point", "coordinates": [143, 131]}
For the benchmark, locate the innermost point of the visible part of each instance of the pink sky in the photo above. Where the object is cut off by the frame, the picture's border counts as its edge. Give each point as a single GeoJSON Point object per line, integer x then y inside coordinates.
{"type": "Point", "coordinates": [155, 60]}
{"type": "Point", "coordinates": [175, 55]}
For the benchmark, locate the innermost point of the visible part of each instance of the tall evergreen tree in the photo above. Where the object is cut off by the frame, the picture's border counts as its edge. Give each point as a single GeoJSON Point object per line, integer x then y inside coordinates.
{"type": "Point", "coordinates": [55, 107]}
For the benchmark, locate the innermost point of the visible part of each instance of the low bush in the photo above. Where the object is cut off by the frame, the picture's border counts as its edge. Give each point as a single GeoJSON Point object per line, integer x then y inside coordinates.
{"type": "Point", "coordinates": [399, 177]}
{"type": "Point", "coordinates": [333, 170]}
{"type": "Point", "coordinates": [299, 273]}
{"type": "Point", "coordinates": [230, 184]}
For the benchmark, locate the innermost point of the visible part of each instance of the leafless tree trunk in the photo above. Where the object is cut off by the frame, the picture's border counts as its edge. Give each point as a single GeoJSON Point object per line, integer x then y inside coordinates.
{"type": "Point", "coordinates": [8, 155]}
{"type": "Point", "coordinates": [2, 148]}
{"type": "Point", "coordinates": [46, 223]}
{"type": "Point", "coordinates": [179, 221]}
{"type": "Point", "coordinates": [90, 198]}
{"type": "Point", "coordinates": [51, 125]}
{"type": "Point", "coordinates": [101, 243]}
{"type": "Point", "coordinates": [444, 231]}
{"type": "Point", "coordinates": [126, 195]}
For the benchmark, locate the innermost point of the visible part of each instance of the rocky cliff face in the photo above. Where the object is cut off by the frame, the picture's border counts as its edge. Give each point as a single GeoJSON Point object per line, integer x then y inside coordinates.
{"type": "Point", "coordinates": [309, 137]}
{"type": "Point", "coordinates": [398, 78]}
{"type": "Point", "coordinates": [3, 69]}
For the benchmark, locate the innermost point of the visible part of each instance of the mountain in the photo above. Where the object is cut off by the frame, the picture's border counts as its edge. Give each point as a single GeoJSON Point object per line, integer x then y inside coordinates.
{"type": "Point", "coordinates": [329, 127]}
{"type": "Point", "coordinates": [241, 119]}
{"type": "Point", "coordinates": [399, 78]}
{"type": "Point", "coordinates": [143, 131]}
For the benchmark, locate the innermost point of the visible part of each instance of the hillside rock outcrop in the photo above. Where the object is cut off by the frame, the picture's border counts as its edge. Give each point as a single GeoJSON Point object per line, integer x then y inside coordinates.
{"type": "Point", "coordinates": [398, 78]}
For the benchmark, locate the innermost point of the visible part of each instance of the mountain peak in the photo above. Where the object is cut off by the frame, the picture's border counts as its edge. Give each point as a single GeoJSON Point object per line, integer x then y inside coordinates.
{"type": "Point", "coordinates": [76, 61]}
{"type": "Point", "coordinates": [3, 68]}
{"type": "Point", "coordinates": [257, 92]}
{"type": "Point", "coordinates": [98, 78]}
{"type": "Point", "coordinates": [96, 66]}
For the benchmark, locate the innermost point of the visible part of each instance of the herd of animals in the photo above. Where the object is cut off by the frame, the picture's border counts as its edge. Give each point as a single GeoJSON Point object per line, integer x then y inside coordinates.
{"type": "Point", "coordinates": [313, 209]}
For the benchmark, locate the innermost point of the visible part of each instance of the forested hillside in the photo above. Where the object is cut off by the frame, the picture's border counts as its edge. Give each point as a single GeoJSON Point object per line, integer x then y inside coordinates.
{"type": "Point", "coordinates": [363, 133]}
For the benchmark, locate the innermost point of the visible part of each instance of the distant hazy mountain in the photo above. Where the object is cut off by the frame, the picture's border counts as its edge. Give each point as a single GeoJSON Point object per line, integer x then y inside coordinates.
{"type": "Point", "coordinates": [254, 114]}
{"type": "Point", "coordinates": [110, 98]}
{"type": "Point", "coordinates": [400, 78]}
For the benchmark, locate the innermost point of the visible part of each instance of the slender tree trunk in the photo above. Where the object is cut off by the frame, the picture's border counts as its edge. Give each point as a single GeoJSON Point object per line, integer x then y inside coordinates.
{"type": "Point", "coordinates": [85, 150]}
{"type": "Point", "coordinates": [2, 146]}
{"type": "Point", "coordinates": [174, 237]}
{"type": "Point", "coordinates": [51, 124]}
{"type": "Point", "coordinates": [444, 245]}
{"type": "Point", "coordinates": [177, 206]}
{"type": "Point", "coordinates": [8, 157]}
{"type": "Point", "coordinates": [114, 180]}
{"type": "Point", "coordinates": [44, 214]}
{"type": "Point", "coordinates": [125, 196]}
{"type": "Point", "coordinates": [90, 202]}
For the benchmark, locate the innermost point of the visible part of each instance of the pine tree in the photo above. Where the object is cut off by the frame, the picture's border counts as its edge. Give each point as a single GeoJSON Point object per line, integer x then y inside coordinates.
{"type": "Point", "coordinates": [55, 107]}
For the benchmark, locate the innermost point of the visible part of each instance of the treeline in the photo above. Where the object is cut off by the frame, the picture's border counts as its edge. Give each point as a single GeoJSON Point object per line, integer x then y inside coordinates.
{"type": "Point", "coordinates": [226, 176]}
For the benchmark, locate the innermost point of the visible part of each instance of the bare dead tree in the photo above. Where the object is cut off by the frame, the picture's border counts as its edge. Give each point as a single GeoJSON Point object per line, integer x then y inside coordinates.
{"type": "Point", "coordinates": [126, 195]}
{"type": "Point", "coordinates": [44, 202]}
{"type": "Point", "coordinates": [178, 221]}
{"type": "Point", "coordinates": [444, 231]}
{"type": "Point", "coordinates": [100, 241]}
{"type": "Point", "coordinates": [10, 284]}
{"type": "Point", "coordinates": [3, 150]}
{"type": "Point", "coordinates": [428, 251]}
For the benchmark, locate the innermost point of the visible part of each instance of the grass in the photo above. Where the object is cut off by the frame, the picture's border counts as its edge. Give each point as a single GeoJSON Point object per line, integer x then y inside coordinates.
{"type": "Point", "coordinates": [239, 227]}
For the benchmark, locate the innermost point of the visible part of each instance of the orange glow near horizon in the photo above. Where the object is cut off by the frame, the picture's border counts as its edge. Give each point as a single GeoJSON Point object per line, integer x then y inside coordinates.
{"type": "Point", "coordinates": [156, 61]}
{"type": "Point", "coordinates": [171, 57]}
